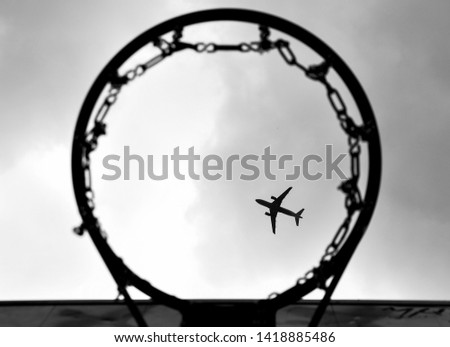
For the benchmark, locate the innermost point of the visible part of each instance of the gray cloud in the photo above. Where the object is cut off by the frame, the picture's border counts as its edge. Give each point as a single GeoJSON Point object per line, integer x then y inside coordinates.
{"type": "Point", "coordinates": [51, 53]}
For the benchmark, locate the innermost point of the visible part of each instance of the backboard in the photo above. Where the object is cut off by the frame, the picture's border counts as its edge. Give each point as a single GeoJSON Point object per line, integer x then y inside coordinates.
{"type": "Point", "coordinates": [340, 313]}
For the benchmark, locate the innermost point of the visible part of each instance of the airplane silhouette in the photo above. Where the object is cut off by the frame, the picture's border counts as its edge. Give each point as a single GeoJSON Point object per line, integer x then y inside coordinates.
{"type": "Point", "coordinates": [275, 207]}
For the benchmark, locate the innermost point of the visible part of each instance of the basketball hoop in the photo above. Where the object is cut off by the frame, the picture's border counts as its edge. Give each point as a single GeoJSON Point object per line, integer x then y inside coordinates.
{"type": "Point", "coordinates": [91, 125]}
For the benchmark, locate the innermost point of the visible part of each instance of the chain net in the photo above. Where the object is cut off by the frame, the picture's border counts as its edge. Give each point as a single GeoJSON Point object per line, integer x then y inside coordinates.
{"type": "Point", "coordinates": [318, 73]}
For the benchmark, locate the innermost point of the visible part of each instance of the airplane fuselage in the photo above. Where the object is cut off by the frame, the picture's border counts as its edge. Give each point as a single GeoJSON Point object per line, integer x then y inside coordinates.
{"type": "Point", "coordinates": [275, 207]}
{"type": "Point", "coordinates": [279, 209]}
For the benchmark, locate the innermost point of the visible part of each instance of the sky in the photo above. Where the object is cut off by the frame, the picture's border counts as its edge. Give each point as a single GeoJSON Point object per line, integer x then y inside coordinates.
{"type": "Point", "coordinates": [209, 239]}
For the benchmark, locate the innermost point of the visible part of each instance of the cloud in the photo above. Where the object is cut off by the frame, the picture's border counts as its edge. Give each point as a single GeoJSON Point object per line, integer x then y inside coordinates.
{"type": "Point", "coordinates": [40, 257]}
{"type": "Point", "coordinates": [237, 103]}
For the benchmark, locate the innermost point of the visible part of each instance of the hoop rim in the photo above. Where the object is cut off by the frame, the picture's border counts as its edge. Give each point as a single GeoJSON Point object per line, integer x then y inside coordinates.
{"type": "Point", "coordinates": [249, 16]}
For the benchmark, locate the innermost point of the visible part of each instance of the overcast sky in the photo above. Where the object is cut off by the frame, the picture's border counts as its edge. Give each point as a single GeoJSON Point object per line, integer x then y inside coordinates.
{"type": "Point", "coordinates": [210, 239]}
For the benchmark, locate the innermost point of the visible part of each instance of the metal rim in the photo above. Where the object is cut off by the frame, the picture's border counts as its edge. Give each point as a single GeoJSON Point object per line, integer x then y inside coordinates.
{"type": "Point", "coordinates": [249, 16]}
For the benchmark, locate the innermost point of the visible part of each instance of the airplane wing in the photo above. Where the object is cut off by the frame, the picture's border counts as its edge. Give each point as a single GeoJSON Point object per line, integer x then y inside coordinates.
{"type": "Point", "coordinates": [273, 219]}
{"type": "Point", "coordinates": [278, 200]}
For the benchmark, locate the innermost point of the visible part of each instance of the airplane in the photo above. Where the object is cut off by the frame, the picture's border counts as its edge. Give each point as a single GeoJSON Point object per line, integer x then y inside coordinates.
{"type": "Point", "coordinates": [275, 207]}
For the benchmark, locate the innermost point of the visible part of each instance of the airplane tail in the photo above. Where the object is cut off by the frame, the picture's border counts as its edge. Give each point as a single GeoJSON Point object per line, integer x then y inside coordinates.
{"type": "Point", "coordinates": [298, 215]}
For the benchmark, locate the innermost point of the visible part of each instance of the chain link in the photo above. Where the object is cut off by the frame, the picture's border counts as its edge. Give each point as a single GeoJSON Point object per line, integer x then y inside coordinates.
{"type": "Point", "coordinates": [287, 54]}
